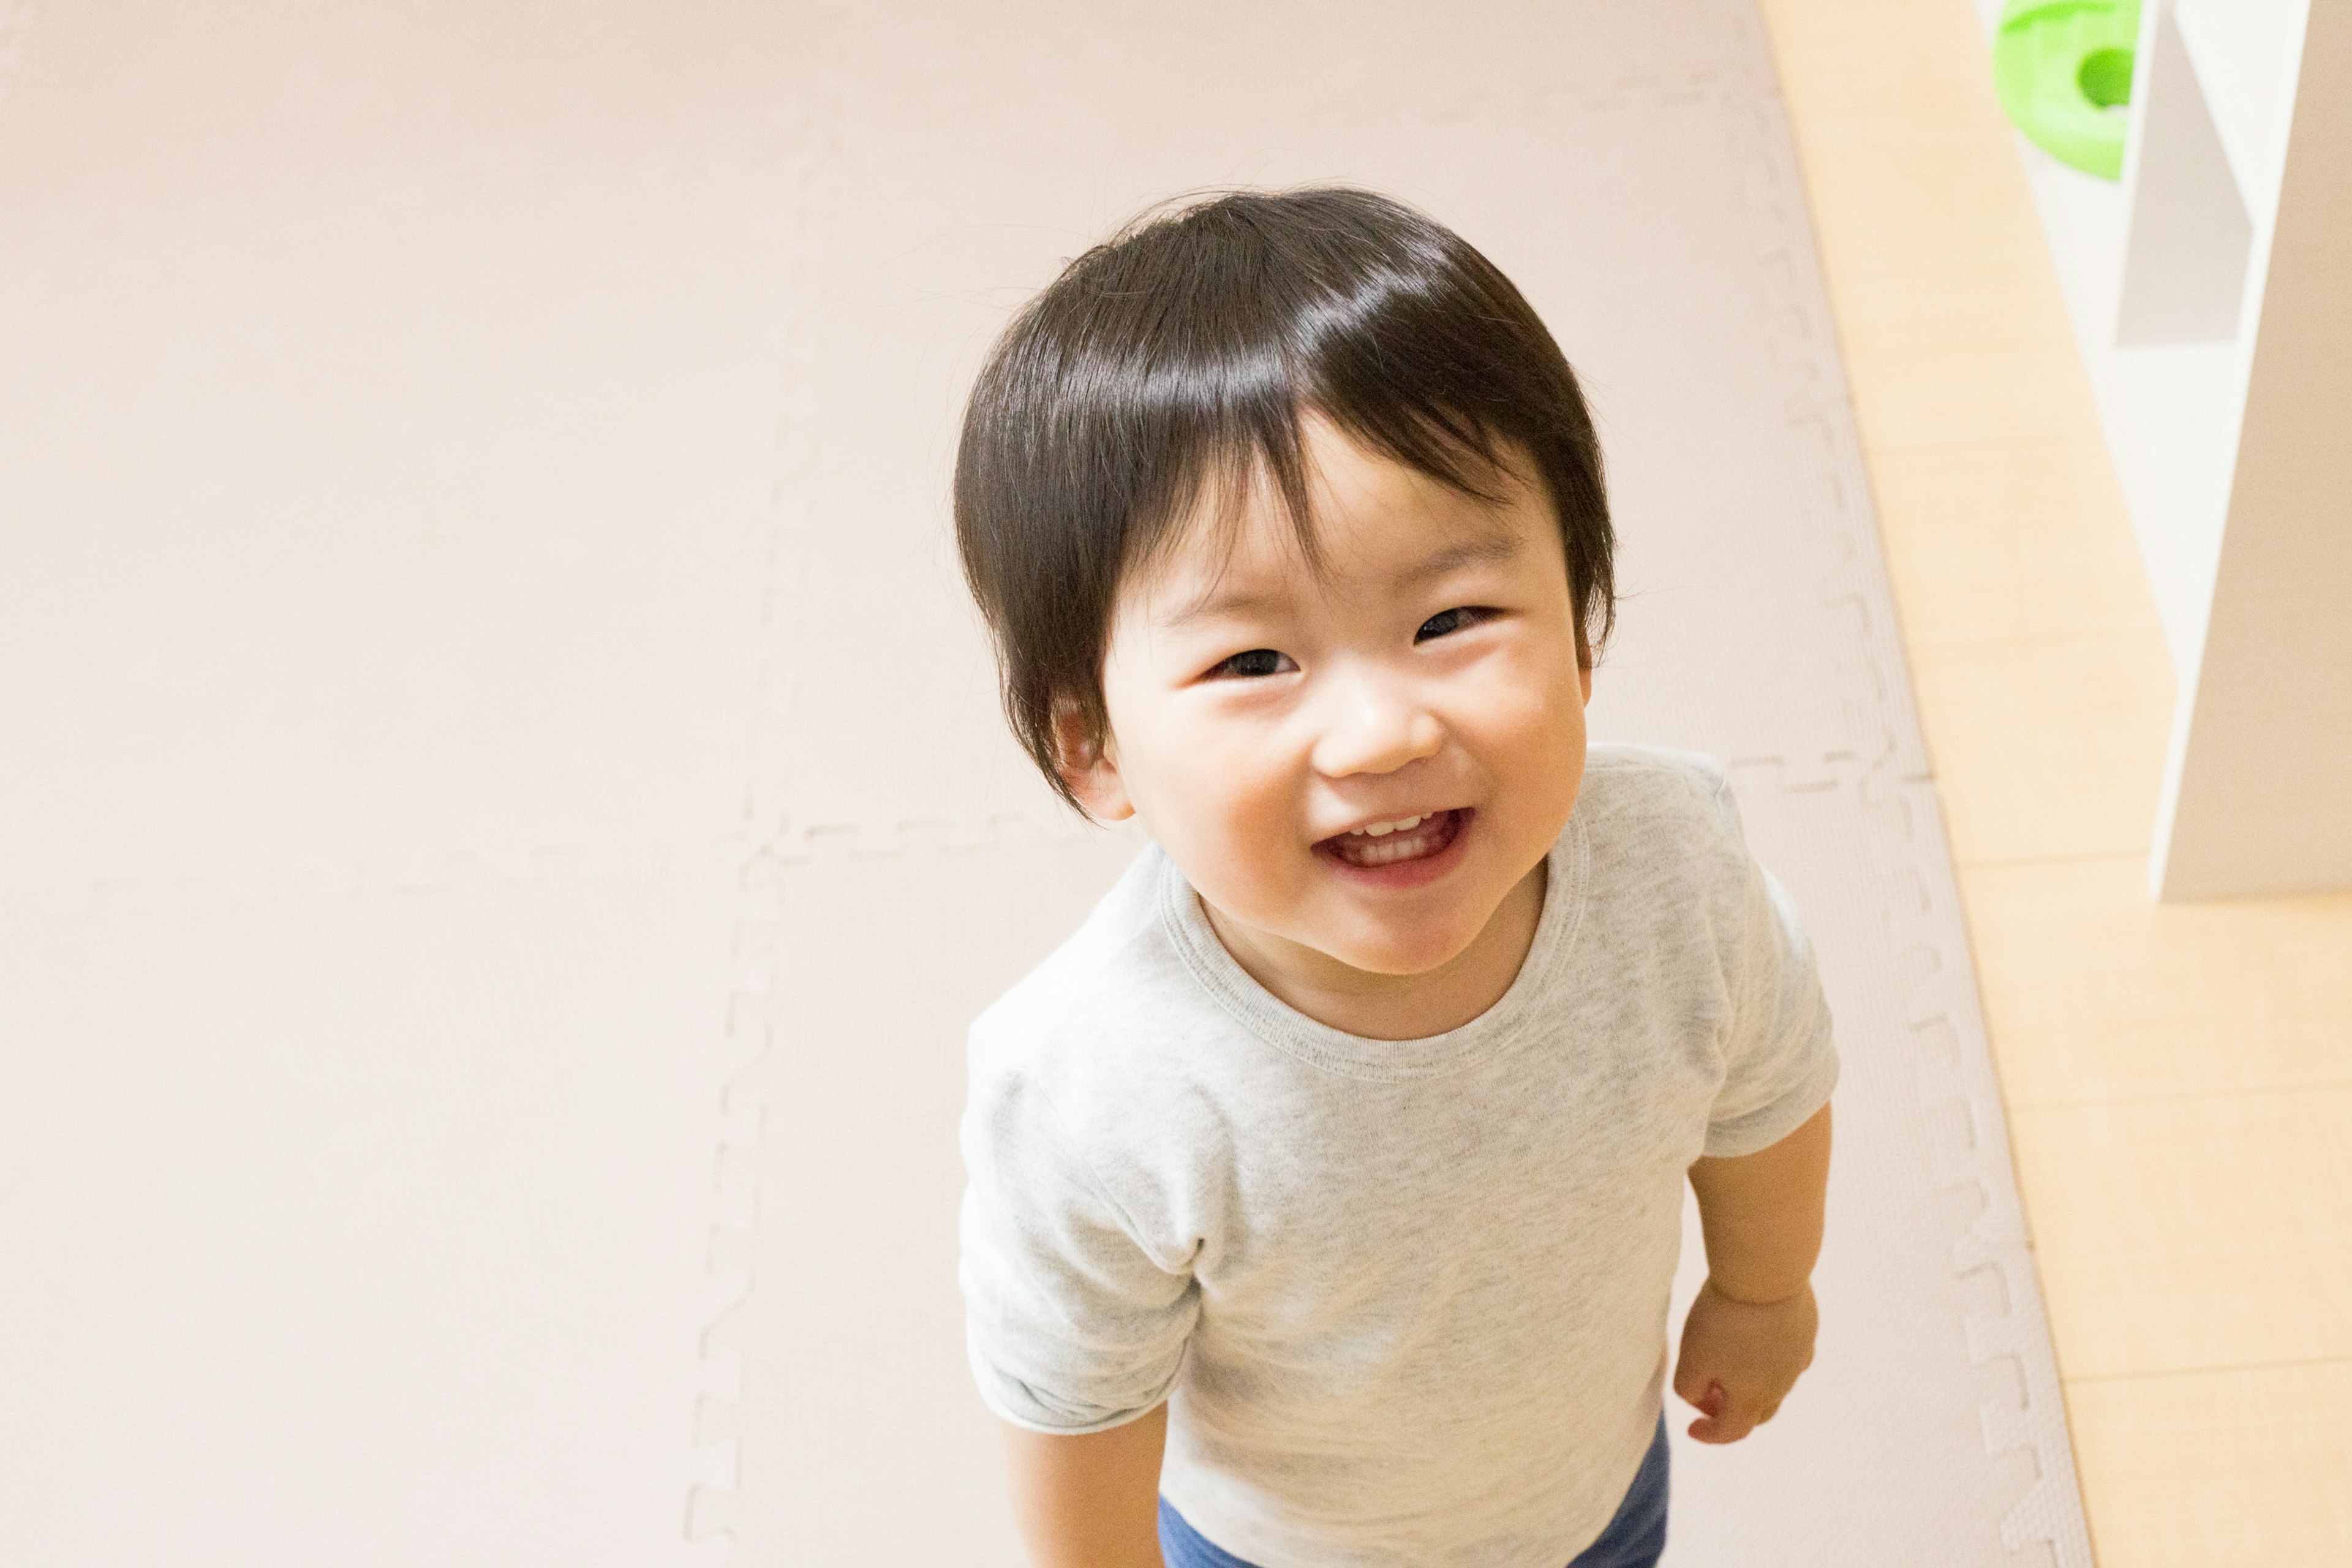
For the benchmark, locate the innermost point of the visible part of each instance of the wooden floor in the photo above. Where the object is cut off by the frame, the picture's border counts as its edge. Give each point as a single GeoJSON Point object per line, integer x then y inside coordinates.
{"type": "Point", "coordinates": [2177, 1079]}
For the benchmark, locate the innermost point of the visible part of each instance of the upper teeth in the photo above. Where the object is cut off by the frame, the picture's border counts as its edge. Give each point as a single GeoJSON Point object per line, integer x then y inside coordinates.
{"type": "Point", "coordinates": [1378, 828]}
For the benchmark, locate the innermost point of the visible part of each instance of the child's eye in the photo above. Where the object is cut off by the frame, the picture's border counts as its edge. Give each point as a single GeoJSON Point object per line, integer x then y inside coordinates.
{"type": "Point", "coordinates": [1452, 620]}
{"type": "Point", "coordinates": [1256, 661]}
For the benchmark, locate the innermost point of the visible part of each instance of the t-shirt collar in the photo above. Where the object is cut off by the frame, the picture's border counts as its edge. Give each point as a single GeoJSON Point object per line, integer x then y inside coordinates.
{"type": "Point", "coordinates": [1286, 1028]}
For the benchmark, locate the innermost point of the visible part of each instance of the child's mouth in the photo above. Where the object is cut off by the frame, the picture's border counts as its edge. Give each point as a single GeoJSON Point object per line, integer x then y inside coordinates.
{"type": "Point", "coordinates": [1429, 836]}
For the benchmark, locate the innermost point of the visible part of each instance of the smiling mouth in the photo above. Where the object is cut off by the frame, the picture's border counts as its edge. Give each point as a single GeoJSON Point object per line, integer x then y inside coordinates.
{"type": "Point", "coordinates": [1429, 836]}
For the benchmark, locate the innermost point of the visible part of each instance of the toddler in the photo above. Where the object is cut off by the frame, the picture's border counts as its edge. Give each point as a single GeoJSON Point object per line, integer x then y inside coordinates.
{"type": "Point", "coordinates": [1325, 1185]}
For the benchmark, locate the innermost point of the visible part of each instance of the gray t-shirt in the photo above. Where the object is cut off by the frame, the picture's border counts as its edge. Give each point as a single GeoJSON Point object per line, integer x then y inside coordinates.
{"type": "Point", "coordinates": [1422, 1284]}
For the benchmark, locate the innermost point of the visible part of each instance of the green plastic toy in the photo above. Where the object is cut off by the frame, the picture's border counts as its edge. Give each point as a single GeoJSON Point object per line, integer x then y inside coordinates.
{"type": "Point", "coordinates": [2063, 70]}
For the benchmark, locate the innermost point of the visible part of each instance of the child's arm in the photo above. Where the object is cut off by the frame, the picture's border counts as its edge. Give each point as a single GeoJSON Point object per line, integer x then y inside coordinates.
{"type": "Point", "coordinates": [1090, 1500]}
{"type": "Point", "coordinates": [1751, 1332]}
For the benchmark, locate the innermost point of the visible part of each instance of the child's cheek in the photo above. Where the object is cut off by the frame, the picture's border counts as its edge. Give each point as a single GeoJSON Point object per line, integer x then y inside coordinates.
{"type": "Point", "coordinates": [1216, 807]}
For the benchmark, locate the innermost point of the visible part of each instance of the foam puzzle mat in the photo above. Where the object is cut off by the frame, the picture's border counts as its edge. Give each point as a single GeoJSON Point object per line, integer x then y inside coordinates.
{"type": "Point", "coordinates": [504, 817]}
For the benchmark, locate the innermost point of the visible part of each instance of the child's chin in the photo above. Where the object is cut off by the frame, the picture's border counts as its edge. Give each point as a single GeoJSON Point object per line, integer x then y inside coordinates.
{"type": "Point", "coordinates": [1415, 951]}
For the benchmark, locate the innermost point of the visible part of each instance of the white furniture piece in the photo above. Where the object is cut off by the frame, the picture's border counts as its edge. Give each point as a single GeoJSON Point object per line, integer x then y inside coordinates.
{"type": "Point", "coordinates": [2212, 293]}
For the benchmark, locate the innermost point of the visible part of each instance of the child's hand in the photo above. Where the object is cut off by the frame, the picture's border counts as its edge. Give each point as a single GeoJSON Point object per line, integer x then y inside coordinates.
{"type": "Point", "coordinates": [1739, 1360]}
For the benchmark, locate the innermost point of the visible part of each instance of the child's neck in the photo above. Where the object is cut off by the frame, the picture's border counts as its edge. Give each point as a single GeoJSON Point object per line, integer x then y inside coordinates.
{"type": "Point", "coordinates": [1394, 1007]}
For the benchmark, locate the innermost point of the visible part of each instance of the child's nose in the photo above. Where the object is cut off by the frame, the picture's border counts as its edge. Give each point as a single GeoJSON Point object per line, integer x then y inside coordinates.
{"type": "Point", "coordinates": [1372, 724]}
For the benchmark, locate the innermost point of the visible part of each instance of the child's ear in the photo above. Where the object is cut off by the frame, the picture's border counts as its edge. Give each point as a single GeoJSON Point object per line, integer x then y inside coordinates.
{"type": "Point", "coordinates": [1090, 770]}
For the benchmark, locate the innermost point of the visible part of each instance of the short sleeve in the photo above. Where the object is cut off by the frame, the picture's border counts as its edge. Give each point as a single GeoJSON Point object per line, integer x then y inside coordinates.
{"type": "Point", "coordinates": [1780, 1062]}
{"type": "Point", "coordinates": [1071, 1326]}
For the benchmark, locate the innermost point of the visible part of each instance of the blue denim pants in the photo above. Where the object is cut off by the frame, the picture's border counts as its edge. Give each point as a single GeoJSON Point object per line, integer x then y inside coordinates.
{"type": "Point", "coordinates": [1635, 1538]}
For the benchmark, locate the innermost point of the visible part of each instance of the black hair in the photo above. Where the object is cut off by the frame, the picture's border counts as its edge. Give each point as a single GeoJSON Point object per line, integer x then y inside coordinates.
{"type": "Point", "coordinates": [1182, 354]}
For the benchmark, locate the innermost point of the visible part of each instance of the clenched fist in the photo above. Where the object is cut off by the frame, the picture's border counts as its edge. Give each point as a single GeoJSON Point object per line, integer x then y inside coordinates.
{"type": "Point", "coordinates": [1739, 1358]}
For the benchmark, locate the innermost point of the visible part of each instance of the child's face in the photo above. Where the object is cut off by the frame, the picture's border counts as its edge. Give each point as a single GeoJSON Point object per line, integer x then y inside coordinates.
{"type": "Point", "coordinates": [1259, 718]}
